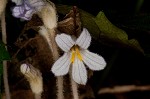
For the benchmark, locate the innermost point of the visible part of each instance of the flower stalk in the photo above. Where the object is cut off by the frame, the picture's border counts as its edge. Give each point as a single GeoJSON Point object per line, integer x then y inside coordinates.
{"type": "Point", "coordinates": [49, 18]}
{"type": "Point", "coordinates": [74, 87]}
{"type": "Point", "coordinates": [4, 39]}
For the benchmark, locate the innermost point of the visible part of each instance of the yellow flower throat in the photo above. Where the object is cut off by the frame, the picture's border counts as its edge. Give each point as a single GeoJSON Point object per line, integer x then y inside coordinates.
{"type": "Point", "coordinates": [75, 53]}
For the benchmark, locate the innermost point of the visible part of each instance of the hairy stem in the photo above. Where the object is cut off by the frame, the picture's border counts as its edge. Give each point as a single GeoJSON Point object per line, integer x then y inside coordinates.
{"type": "Point", "coordinates": [49, 17]}
{"type": "Point", "coordinates": [55, 54]}
{"type": "Point", "coordinates": [74, 88]}
{"type": "Point", "coordinates": [37, 96]}
{"type": "Point", "coordinates": [5, 77]}
{"type": "Point", "coordinates": [4, 39]}
{"type": "Point", "coordinates": [60, 94]}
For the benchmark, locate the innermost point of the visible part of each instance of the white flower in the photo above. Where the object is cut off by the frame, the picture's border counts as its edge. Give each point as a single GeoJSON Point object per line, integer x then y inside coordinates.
{"type": "Point", "coordinates": [76, 55]}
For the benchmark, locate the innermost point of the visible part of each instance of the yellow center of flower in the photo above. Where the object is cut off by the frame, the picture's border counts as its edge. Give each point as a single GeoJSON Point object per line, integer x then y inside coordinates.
{"type": "Point", "coordinates": [75, 53]}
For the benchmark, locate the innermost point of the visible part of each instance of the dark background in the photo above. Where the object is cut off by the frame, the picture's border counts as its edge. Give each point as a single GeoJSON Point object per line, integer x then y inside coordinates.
{"type": "Point", "coordinates": [124, 66]}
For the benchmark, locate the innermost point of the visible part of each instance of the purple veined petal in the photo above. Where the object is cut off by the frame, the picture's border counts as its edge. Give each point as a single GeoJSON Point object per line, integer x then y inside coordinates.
{"type": "Point", "coordinates": [61, 66]}
{"type": "Point", "coordinates": [36, 4]}
{"type": "Point", "coordinates": [84, 39]}
{"type": "Point", "coordinates": [17, 2]}
{"type": "Point", "coordinates": [29, 11]}
{"type": "Point", "coordinates": [92, 60]}
{"type": "Point", "coordinates": [64, 41]}
{"type": "Point", "coordinates": [79, 73]}
{"type": "Point", "coordinates": [17, 11]}
{"type": "Point", "coordinates": [27, 6]}
{"type": "Point", "coordinates": [28, 14]}
{"type": "Point", "coordinates": [23, 11]}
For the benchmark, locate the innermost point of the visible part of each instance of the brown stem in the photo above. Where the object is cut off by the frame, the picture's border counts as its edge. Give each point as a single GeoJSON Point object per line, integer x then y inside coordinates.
{"type": "Point", "coordinates": [123, 89]}
{"type": "Point", "coordinates": [74, 17]}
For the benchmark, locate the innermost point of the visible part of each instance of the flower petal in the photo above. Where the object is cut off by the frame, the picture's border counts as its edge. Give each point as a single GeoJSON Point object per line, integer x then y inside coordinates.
{"type": "Point", "coordinates": [79, 72]}
{"type": "Point", "coordinates": [64, 41]}
{"type": "Point", "coordinates": [61, 66]}
{"type": "Point", "coordinates": [92, 60]}
{"type": "Point", "coordinates": [17, 11]}
{"type": "Point", "coordinates": [37, 4]}
{"type": "Point", "coordinates": [24, 68]}
{"type": "Point", "coordinates": [23, 11]}
{"type": "Point", "coordinates": [84, 39]}
{"type": "Point", "coordinates": [29, 11]}
{"type": "Point", "coordinates": [28, 14]}
{"type": "Point", "coordinates": [18, 2]}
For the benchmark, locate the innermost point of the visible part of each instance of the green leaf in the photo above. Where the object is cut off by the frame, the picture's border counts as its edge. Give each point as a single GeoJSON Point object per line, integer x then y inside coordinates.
{"type": "Point", "coordinates": [4, 55]}
{"type": "Point", "coordinates": [100, 26]}
{"type": "Point", "coordinates": [113, 34]}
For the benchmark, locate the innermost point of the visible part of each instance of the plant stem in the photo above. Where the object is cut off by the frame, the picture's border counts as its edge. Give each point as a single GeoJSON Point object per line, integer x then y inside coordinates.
{"type": "Point", "coordinates": [4, 39]}
{"type": "Point", "coordinates": [55, 54]}
{"type": "Point", "coordinates": [37, 96]}
{"type": "Point", "coordinates": [74, 88]}
{"type": "Point", "coordinates": [49, 17]}
{"type": "Point", "coordinates": [60, 94]}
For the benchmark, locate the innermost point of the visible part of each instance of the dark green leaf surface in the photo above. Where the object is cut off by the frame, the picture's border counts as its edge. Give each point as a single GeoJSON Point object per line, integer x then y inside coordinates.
{"type": "Point", "coordinates": [113, 33]}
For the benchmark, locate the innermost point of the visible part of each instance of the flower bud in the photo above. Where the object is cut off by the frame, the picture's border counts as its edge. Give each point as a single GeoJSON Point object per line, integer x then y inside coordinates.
{"type": "Point", "coordinates": [33, 75]}
{"type": "Point", "coordinates": [48, 15]}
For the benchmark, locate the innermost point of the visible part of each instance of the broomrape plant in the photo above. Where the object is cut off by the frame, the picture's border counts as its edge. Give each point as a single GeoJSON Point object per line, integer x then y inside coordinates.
{"type": "Point", "coordinates": [76, 55]}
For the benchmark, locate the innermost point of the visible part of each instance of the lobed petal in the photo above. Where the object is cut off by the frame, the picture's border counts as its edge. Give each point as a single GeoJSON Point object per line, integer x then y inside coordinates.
{"type": "Point", "coordinates": [64, 41]}
{"type": "Point", "coordinates": [61, 66]}
{"type": "Point", "coordinates": [79, 72]}
{"type": "Point", "coordinates": [93, 61]}
{"type": "Point", "coordinates": [84, 39]}
{"type": "Point", "coordinates": [28, 14]}
{"type": "Point", "coordinates": [37, 4]}
{"type": "Point", "coordinates": [18, 2]}
{"type": "Point", "coordinates": [23, 11]}
{"type": "Point", "coordinates": [17, 11]}
{"type": "Point", "coordinates": [24, 68]}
